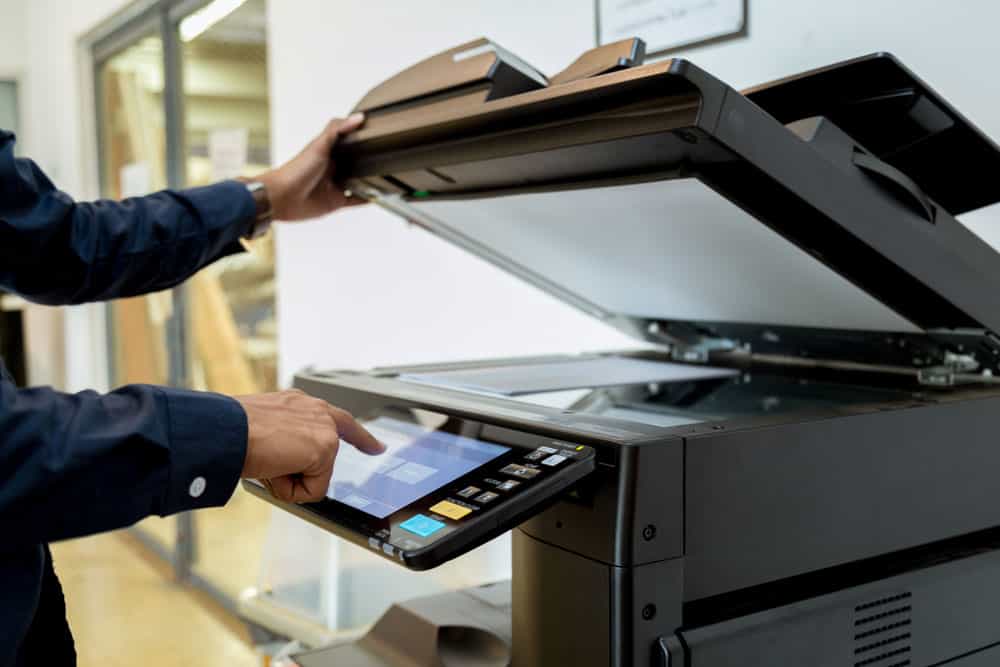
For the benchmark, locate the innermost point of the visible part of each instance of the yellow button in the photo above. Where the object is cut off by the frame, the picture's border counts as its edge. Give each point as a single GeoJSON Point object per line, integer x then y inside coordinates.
{"type": "Point", "coordinates": [450, 510]}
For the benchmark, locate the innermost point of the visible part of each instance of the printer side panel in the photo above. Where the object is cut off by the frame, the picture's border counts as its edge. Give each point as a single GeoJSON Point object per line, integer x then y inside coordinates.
{"type": "Point", "coordinates": [778, 501]}
{"type": "Point", "coordinates": [608, 562]}
{"type": "Point", "coordinates": [626, 515]}
{"type": "Point", "coordinates": [943, 614]}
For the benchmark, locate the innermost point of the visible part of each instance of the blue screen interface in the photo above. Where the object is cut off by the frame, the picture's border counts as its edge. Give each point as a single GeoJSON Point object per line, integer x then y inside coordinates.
{"type": "Point", "coordinates": [417, 461]}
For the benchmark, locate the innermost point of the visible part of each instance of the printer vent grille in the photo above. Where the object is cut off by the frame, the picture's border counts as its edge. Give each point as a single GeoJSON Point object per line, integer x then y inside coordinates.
{"type": "Point", "coordinates": [882, 631]}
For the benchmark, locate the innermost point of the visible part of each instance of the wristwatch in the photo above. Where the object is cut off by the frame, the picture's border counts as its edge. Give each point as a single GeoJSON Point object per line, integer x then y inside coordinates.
{"type": "Point", "coordinates": [264, 214]}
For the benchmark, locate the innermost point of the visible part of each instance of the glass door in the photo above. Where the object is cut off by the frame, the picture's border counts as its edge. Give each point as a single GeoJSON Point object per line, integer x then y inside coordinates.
{"type": "Point", "coordinates": [231, 316]}
{"type": "Point", "coordinates": [132, 119]}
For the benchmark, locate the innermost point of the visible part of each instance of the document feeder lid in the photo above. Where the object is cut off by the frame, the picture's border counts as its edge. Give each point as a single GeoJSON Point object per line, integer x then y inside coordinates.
{"type": "Point", "coordinates": [811, 216]}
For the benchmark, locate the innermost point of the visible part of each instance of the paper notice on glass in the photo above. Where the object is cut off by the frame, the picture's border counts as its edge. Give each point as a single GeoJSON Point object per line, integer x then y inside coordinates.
{"type": "Point", "coordinates": [562, 375]}
{"type": "Point", "coordinates": [228, 152]}
{"type": "Point", "coordinates": [668, 24]}
{"type": "Point", "coordinates": [136, 179]}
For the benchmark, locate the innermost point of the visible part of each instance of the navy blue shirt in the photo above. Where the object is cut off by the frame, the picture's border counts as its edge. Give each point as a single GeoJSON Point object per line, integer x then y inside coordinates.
{"type": "Point", "coordinates": [77, 464]}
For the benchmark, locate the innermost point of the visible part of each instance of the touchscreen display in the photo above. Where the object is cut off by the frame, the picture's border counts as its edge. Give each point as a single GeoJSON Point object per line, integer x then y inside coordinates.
{"type": "Point", "coordinates": [416, 462]}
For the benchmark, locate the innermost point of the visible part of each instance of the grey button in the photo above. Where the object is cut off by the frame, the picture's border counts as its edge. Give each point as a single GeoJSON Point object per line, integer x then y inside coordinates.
{"type": "Point", "coordinates": [197, 487]}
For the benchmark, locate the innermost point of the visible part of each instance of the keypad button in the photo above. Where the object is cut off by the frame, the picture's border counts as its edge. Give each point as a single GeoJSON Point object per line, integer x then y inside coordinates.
{"type": "Point", "coordinates": [524, 472]}
{"type": "Point", "coordinates": [541, 453]}
{"type": "Point", "coordinates": [451, 510]}
{"type": "Point", "coordinates": [553, 460]}
{"type": "Point", "coordinates": [487, 497]}
{"type": "Point", "coordinates": [421, 525]}
{"type": "Point", "coordinates": [469, 491]}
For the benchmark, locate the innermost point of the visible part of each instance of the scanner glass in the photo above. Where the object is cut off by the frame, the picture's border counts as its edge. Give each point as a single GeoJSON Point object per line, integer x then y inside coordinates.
{"type": "Point", "coordinates": [716, 399]}
{"type": "Point", "coordinates": [669, 250]}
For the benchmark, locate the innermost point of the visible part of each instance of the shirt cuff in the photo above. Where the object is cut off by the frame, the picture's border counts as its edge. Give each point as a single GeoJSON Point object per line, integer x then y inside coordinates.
{"type": "Point", "coordinates": [208, 445]}
{"type": "Point", "coordinates": [228, 205]}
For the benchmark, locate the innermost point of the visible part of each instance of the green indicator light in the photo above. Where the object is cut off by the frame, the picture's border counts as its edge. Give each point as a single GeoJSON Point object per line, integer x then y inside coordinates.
{"type": "Point", "coordinates": [421, 193]}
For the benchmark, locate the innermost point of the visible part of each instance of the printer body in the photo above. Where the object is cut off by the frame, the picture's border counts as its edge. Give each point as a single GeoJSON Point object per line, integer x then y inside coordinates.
{"type": "Point", "coordinates": [832, 498]}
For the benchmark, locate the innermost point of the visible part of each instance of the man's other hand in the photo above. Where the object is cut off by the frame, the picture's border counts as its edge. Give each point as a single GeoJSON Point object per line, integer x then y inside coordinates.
{"type": "Point", "coordinates": [293, 441]}
{"type": "Point", "coordinates": [303, 187]}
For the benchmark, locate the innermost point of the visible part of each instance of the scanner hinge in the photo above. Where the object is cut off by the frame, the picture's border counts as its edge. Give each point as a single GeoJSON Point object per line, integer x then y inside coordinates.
{"type": "Point", "coordinates": [943, 375]}
{"type": "Point", "coordinates": [701, 352]}
{"type": "Point", "coordinates": [697, 350]}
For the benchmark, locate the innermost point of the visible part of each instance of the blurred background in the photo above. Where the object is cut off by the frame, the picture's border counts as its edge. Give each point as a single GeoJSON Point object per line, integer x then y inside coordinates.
{"type": "Point", "coordinates": [116, 98]}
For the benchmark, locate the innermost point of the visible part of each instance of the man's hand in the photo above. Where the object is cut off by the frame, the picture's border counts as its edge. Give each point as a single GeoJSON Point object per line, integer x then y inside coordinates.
{"type": "Point", "coordinates": [293, 441]}
{"type": "Point", "coordinates": [303, 187]}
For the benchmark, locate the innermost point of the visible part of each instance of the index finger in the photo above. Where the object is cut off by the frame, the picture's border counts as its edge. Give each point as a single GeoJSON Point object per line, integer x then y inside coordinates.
{"type": "Point", "coordinates": [354, 433]}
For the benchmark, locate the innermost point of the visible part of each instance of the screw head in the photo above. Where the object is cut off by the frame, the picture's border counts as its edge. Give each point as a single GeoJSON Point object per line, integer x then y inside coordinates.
{"type": "Point", "coordinates": [649, 532]}
{"type": "Point", "coordinates": [649, 612]}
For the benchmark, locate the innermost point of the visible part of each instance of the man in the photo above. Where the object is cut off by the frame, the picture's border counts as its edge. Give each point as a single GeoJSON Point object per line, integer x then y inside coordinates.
{"type": "Point", "coordinates": [74, 465]}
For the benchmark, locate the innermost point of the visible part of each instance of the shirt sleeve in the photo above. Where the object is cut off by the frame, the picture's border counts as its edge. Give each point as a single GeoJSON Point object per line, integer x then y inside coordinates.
{"type": "Point", "coordinates": [57, 251]}
{"type": "Point", "coordinates": [78, 464]}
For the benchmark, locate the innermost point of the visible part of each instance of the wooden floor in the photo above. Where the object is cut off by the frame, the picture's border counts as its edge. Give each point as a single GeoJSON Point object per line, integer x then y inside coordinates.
{"type": "Point", "coordinates": [125, 610]}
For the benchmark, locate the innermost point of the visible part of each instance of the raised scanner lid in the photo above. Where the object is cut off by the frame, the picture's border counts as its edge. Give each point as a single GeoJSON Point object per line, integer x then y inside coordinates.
{"type": "Point", "coordinates": [661, 250]}
{"type": "Point", "coordinates": [655, 196]}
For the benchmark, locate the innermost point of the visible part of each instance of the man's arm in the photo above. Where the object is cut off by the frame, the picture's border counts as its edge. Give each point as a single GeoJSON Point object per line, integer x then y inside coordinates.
{"type": "Point", "coordinates": [78, 464]}
{"type": "Point", "coordinates": [57, 251]}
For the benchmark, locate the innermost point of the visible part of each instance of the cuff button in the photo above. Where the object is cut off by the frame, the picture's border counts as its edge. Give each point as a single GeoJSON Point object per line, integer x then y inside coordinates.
{"type": "Point", "coordinates": [197, 487]}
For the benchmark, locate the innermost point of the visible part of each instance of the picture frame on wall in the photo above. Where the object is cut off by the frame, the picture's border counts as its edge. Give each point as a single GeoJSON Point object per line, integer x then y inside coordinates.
{"type": "Point", "coordinates": [669, 25]}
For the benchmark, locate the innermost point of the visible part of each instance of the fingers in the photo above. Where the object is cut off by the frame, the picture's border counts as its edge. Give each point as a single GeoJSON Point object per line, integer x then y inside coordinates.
{"type": "Point", "coordinates": [354, 433]}
{"type": "Point", "coordinates": [337, 127]}
{"type": "Point", "coordinates": [300, 488]}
